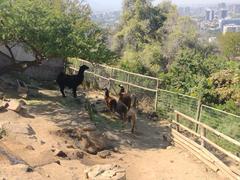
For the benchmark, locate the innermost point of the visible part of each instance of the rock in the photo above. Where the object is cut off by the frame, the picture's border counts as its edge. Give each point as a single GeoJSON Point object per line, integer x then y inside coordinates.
{"type": "Point", "coordinates": [83, 144]}
{"type": "Point", "coordinates": [42, 142]}
{"type": "Point", "coordinates": [97, 140]}
{"type": "Point", "coordinates": [29, 169]}
{"type": "Point", "coordinates": [116, 149]}
{"type": "Point", "coordinates": [126, 142]}
{"type": "Point", "coordinates": [29, 147]}
{"type": "Point", "coordinates": [79, 155]}
{"type": "Point", "coordinates": [74, 154]}
{"type": "Point", "coordinates": [90, 127]}
{"type": "Point", "coordinates": [70, 147]}
{"type": "Point", "coordinates": [88, 138]}
{"type": "Point", "coordinates": [105, 172]}
{"type": "Point", "coordinates": [104, 154]}
{"type": "Point", "coordinates": [58, 162]}
{"type": "Point", "coordinates": [53, 150]}
{"type": "Point", "coordinates": [109, 135]}
{"type": "Point", "coordinates": [3, 108]}
{"type": "Point", "coordinates": [15, 105]}
{"type": "Point", "coordinates": [92, 150]}
{"type": "Point", "coordinates": [61, 154]}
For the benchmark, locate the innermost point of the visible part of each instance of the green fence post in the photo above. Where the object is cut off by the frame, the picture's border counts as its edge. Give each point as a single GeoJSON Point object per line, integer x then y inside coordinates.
{"type": "Point", "coordinates": [198, 115]}
{"type": "Point", "coordinates": [156, 97]}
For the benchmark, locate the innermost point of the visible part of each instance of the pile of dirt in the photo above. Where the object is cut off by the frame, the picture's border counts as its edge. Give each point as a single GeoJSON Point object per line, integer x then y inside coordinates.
{"type": "Point", "coordinates": [88, 138]}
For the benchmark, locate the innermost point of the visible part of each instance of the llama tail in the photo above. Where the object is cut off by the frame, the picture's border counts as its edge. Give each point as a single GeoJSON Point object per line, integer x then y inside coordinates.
{"type": "Point", "coordinates": [60, 77]}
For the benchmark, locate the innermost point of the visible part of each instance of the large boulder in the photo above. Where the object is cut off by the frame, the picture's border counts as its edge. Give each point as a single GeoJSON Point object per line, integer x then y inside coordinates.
{"type": "Point", "coordinates": [105, 172]}
{"type": "Point", "coordinates": [89, 141]}
{"type": "Point", "coordinates": [47, 71]}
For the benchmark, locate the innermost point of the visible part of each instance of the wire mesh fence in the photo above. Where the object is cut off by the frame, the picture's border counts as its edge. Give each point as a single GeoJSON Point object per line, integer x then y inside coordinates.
{"type": "Point", "coordinates": [170, 101]}
{"type": "Point", "coordinates": [101, 76]}
{"type": "Point", "coordinates": [226, 123]}
{"type": "Point", "coordinates": [164, 102]}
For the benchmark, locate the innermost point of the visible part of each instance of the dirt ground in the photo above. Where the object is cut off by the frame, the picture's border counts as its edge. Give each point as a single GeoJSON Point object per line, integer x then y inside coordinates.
{"type": "Point", "coordinates": [33, 142]}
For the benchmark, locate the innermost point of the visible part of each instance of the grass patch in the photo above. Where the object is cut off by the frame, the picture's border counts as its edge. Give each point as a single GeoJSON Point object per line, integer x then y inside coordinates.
{"type": "Point", "coordinates": [105, 121]}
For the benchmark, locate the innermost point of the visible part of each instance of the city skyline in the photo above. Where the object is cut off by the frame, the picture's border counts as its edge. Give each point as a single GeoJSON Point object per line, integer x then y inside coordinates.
{"type": "Point", "coordinates": [113, 5]}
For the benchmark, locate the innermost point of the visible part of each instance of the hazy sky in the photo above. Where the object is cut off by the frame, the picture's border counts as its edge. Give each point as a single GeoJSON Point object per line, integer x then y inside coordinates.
{"type": "Point", "coordinates": [109, 5]}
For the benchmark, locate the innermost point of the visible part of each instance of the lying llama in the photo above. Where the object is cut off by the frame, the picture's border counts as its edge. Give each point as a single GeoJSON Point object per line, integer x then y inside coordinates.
{"type": "Point", "coordinates": [71, 81]}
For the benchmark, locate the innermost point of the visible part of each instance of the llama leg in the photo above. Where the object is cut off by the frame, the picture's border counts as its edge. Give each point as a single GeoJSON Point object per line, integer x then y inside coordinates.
{"type": "Point", "coordinates": [62, 91]}
{"type": "Point", "coordinates": [124, 120]}
{"type": "Point", "coordinates": [74, 92]}
{"type": "Point", "coordinates": [133, 123]}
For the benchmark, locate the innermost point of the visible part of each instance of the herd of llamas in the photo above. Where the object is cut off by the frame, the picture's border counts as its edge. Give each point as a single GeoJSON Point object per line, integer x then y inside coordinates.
{"type": "Point", "coordinates": [125, 106]}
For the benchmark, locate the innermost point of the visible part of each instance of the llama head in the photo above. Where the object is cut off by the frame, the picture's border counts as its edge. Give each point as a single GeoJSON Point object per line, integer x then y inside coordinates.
{"type": "Point", "coordinates": [83, 68]}
{"type": "Point", "coordinates": [122, 89]}
{"type": "Point", "coordinates": [106, 91]}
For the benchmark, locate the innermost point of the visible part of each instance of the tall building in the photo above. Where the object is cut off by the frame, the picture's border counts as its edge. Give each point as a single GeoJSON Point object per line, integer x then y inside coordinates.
{"type": "Point", "coordinates": [231, 28]}
{"type": "Point", "coordinates": [222, 5]}
{"type": "Point", "coordinates": [237, 8]}
{"type": "Point", "coordinates": [209, 16]}
{"type": "Point", "coordinates": [224, 22]}
{"type": "Point", "coordinates": [223, 13]}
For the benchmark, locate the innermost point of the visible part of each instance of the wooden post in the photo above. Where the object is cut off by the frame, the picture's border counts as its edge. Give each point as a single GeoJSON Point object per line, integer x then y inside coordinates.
{"type": "Point", "coordinates": [203, 134]}
{"type": "Point", "coordinates": [128, 76]}
{"type": "Point", "coordinates": [177, 120]}
{"type": "Point", "coordinates": [110, 79]}
{"type": "Point", "coordinates": [199, 109]}
{"type": "Point", "coordinates": [156, 97]}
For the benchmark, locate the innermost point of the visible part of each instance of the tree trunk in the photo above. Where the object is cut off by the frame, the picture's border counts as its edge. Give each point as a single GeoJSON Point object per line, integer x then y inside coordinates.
{"type": "Point", "coordinates": [11, 53]}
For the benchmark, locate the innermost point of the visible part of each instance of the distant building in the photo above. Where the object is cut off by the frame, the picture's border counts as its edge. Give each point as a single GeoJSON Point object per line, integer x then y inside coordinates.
{"type": "Point", "coordinates": [209, 16]}
{"type": "Point", "coordinates": [237, 8]}
{"type": "Point", "coordinates": [231, 28]}
{"type": "Point", "coordinates": [224, 22]}
{"type": "Point", "coordinates": [187, 10]}
{"type": "Point", "coordinates": [184, 11]}
{"type": "Point", "coordinates": [223, 13]}
{"type": "Point", "coordinates": [222, 5]}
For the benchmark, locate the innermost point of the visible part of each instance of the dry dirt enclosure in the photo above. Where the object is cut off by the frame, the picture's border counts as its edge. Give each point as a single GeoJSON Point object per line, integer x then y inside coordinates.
{"type": "Point", "coordinates": [51, 143]}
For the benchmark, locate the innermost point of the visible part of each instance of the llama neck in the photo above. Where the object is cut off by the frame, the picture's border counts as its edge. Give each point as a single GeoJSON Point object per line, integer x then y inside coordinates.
{"type": "Point", "coordinates": [106, 93]}
{"type": "Point", "coordinates": [81, 72]}
{"type": "Point", "coordinates": [134, 105]}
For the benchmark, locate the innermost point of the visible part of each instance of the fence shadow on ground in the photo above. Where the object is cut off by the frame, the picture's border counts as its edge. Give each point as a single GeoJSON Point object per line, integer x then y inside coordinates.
{"type": "Point", "coordinates": [70, 112]}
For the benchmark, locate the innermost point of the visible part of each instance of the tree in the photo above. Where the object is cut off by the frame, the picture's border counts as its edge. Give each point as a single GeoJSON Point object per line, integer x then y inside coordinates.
{"type": "Point", "coordinates": [139, 23]}
{"type": "Point", "coordinates": [230, 44]}
{"type": "Point", "coordinates": [190, 71]}
{"type": "Point", "coordinates": [51, 28]}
